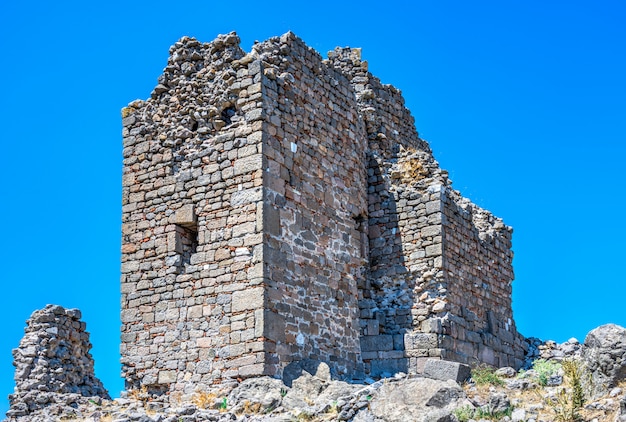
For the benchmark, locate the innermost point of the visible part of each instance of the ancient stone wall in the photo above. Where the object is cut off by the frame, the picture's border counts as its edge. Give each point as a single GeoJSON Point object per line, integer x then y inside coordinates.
{"type": "Point", "coordinates": [478, 267]}
{"type": "Point", "coordinates": [280, 207]}
{"type": "Point", "coordinates": [315, 206]}
{"type": "Point", "coordinates": [192, 224]}
{"type": "Point", "coordinates": [53, 365]}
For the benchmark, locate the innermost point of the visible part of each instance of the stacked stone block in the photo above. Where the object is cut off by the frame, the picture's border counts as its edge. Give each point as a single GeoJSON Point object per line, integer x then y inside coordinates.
{"type": "Point", "coordinates": [279, 207]}
{"type": "Point", "coordinates": [314, 206]}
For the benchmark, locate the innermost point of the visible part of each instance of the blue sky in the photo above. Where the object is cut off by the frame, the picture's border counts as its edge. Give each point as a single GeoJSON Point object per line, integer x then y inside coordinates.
{"type": "Point", "coordinates": [524, 102]}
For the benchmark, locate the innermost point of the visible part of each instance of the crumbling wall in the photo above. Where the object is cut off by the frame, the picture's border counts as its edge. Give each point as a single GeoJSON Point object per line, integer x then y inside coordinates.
{"type": "Point", "coordinates": [192, 271]}
{"type": "Point", "coordinates": [425, 254]}
{"type": "Point", "coordinates": [478, 266]}
{"type": "Point", "coordinates": [404, 226]}
{"type": "Point", "coordinates": [279, 207]}
{"type": "Point", "coordinates": [53, 366]}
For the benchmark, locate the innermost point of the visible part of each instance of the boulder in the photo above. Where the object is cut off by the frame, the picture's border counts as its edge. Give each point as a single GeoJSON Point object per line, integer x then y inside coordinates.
{"type": "Point", "coordinates": [418, 400]}
{"type": "Point", "coordinates": [294, 370]}
{"type": "Point", "coordinates": [261, 394]}
{"type": "Point", "coordinates": [604, 353]}
{"type": "Point", "coordinates": [446, 370]}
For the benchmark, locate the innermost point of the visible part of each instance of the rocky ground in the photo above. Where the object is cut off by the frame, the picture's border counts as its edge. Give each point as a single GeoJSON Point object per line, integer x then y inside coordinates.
{"type": "Point", "coordinates": [566, 382]}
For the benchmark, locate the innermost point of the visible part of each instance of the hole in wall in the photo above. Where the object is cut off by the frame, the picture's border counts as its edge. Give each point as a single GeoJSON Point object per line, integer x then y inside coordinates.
{"type": "Point", "coordinates": [360, 225]}
{"type": "Point", "coordinates": [187, 243]}
{"type": "Point", "coordinates": [227, 114]}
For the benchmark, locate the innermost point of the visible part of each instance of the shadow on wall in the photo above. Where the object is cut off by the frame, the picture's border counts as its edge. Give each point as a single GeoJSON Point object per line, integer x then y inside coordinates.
{"type": "Point", "coordinates": [388, 291]}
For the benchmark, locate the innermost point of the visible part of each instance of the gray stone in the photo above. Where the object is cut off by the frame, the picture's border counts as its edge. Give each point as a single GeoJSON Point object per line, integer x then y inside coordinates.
{"type": "Point", "coordinates": [506, 372]}
{"type": "Point", "coordinates": [267, 392]}
{"type": "Point", "coordinates": [297, 369]}
{"type": "Point", "coordinates": [446, 370]}
{"type": "Point", "coordinates": [498, 403]}
{"type": "Point", "coordinates": [186, 216]}
{"type": "Point", "coordinates": [604, 353]}
{"type": "Point", "coordinates": [53, 364]}
{"type": "Point", "coordinates": [418, 400]}
{"type": "Point", "coordinates": [518, 415]}
{"type": "Point", "coordinates": [247, 299]}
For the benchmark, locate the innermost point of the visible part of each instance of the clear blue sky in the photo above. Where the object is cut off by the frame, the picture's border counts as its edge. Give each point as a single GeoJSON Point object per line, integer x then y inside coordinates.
{"type": "Point", "coordinates": [524, 102]}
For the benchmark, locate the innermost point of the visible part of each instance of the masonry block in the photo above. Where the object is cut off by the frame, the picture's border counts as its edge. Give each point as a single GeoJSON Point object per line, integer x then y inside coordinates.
{"type": "Point", "coordinates": [376, 343]}
{"type": "Point", "coordinates": [186, 216]}
{"type": "Point", "coordinates": [248, 299]}
{"type": "Point", "coordinates": [446, 370]}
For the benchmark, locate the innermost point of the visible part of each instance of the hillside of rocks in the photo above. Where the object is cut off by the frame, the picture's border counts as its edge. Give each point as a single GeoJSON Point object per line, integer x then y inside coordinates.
{"type": "Point", "coordinates": [572, 381]}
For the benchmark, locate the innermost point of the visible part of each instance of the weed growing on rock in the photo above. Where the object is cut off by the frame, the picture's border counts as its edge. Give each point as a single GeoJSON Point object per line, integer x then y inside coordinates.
{"type": "Point", "coordinates": [467, 413]}
{"type": "Point", "coordinates": [304, 416]}
{"type": "Point", "coordinates": [223, 405]}
{"type": "Point", "coordinates": [570, 399]}
{"type": "Point", "coordinates": [486, 375]}
{"type": "Point", "coordinates": [141, 394]}
{"type": "Point", "coordinates": [545, 369]}
{"type": "Point", "coordinates": [464, 414]}
{"type": "Point", "coordinates": [251, 408]}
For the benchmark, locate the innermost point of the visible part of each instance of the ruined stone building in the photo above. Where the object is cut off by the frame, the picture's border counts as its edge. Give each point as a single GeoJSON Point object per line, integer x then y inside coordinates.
{"type": "Point", "coordinates": [280, 207]}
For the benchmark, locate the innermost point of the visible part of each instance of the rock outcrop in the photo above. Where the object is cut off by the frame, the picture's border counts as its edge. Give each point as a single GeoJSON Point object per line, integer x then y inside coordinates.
{"type": "Point", "coordinates": [605, 353]}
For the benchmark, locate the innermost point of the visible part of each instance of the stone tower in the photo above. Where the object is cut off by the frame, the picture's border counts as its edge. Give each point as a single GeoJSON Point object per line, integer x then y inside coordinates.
{"type": "Point", "coordinates": [280, 207]}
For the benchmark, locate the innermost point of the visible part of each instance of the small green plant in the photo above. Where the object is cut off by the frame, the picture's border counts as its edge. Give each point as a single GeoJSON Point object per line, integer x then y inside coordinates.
{"type": "Point", "coordinates": [486, 375]}
{"type": "Point", "coordinates": [564, 410]}
{"type": "Point", "coordinates": [283, 392]}
{"type": "Point", "coordinates": [575, 371]}
{"type": "Point", "coordinates": [545, 369]}
{"type": "Point", "coordinates": [223, 405]}
{"type": "Point", "coordinates": [465, 413]}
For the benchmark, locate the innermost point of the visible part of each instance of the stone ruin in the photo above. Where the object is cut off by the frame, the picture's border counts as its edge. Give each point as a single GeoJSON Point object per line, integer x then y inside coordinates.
{"type": "Point", "coordinates": [53, 367]}
{"type": "Point", "coordinates": [279, 207]}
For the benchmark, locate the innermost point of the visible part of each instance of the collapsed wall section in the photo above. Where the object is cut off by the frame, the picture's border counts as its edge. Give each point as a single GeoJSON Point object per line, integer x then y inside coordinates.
{"type": "Point", "coordinates": [192, 270]}
{"type": "Point", "coordinates": [404, 227]}
{"type": "Point", "coordinates": [315, 207]}
{"type": "Point", "coordinates": [429, 246]}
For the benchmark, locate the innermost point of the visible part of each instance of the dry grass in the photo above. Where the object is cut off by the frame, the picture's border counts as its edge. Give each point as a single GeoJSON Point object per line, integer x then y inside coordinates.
{"type": "Point", "coordinates": [204, 400]}
{"type": "Point", "coordinates": [251, 408]}
{"type": "Point", "coordinates": [139, 394]}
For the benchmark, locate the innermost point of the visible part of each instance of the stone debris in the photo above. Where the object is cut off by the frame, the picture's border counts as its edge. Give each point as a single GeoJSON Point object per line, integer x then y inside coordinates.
{"type": "Point", "coordinates": [308, 393]}
{"type": "Point", "coordinates": [53, 366]}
